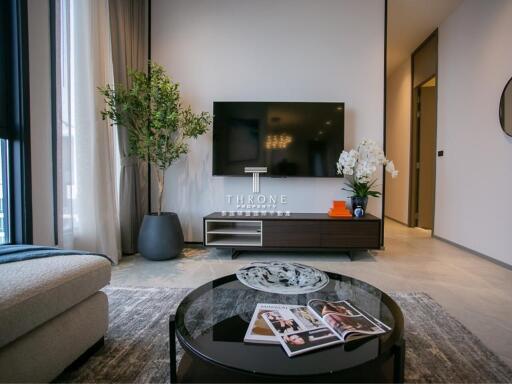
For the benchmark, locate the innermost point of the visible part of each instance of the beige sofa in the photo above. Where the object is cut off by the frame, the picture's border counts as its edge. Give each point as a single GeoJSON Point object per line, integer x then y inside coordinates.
{"type": "Point", "coordinates": [51, 312]}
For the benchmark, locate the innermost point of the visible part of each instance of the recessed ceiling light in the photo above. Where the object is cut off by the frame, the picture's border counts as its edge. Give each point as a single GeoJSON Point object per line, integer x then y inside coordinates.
{"type": "Point", "coordinates": [328, 122]}
{"type": "Point", "coordinates": [320, 132]}
{"type": "Point", "coordinates": [339, 108]}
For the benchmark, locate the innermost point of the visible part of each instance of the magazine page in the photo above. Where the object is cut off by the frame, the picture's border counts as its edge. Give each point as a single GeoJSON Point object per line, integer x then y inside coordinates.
{"type": "Point", "coordinates": [385, 327]}
{"type": "Point", "coordinates": [304, 316]}
{"type": "Point", "coordinates": [258, 330]}
{"type": "Point", "coordinates": [299, 331]}
{"type": "Point", "coordinates": [344, 319]}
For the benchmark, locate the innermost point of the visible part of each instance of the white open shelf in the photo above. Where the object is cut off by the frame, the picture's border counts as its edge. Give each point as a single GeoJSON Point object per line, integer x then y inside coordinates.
{"type": "Point", "coordinates": [233, 233]}
{"type": "Point", "coordinates": [238, 241]}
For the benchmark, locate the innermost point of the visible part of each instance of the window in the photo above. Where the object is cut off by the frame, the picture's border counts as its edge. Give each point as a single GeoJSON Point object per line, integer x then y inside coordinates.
{"type": "Point", "coordinates": [4, 194]}
{"type": "Point", "coordinates": [15, 188]}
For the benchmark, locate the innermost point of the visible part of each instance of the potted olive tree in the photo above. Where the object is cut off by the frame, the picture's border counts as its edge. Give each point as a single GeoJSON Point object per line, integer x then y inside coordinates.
{"type": "Point", "coordinates": [158, 129]}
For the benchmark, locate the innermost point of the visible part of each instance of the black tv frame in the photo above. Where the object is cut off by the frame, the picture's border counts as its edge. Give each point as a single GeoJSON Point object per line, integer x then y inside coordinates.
{"type": "Point", "coordinates": [282, 102]}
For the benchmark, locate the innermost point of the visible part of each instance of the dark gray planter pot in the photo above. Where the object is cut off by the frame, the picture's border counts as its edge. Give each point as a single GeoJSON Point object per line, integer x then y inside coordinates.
{"type": "Point", "coordinates": [160, 237]}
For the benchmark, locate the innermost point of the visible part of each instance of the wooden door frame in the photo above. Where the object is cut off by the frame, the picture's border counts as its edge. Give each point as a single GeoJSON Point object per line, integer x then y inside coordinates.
{"type": "Point", "coordinates": [413, 179]}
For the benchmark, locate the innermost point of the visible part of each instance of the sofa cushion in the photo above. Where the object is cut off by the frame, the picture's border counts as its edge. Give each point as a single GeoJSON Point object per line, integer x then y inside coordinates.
{"type": "Point", "coordinates": [40, 355]}
{"type": "Point", "coordinates": [34, 291]}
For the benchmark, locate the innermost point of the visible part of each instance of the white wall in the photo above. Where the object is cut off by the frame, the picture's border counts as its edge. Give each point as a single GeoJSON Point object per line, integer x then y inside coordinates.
{"type": "Point", "coordinates": [398, 141]}
{"type": "Point", "coordinates": [40, 120]}
{"type": "Point", "coordinates": [268, 50]}
{"type": "Point", "coordinates": [474, 178]}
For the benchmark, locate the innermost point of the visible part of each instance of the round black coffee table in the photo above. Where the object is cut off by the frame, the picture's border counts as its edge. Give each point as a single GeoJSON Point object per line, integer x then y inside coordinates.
{"type": "Point", "coordinates": [211, 321]}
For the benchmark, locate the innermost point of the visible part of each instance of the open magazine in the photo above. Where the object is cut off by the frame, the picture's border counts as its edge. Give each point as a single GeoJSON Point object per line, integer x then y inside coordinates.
{"type": "Point", "coordinates": [346, 320]}
{"type": "Point", "coordinates": [321, 323]}
{"type": "Point", "coordinates": [258, 330]}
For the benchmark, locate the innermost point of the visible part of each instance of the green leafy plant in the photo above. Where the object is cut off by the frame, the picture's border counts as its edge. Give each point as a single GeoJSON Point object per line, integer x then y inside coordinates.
{"type": "Point", "coordinates": [361, 189]}
{"type": "Point", "coordinates": [157, 123]}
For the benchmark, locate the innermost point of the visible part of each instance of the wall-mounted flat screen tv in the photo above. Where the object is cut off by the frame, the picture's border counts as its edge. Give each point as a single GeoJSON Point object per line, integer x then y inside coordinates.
{"type": "Point", "coordinates": [301, 139]}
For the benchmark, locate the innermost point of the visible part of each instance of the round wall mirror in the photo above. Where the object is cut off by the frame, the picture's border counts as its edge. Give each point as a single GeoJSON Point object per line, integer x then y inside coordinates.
{"type": "Point", "coordinates": [506, 109]}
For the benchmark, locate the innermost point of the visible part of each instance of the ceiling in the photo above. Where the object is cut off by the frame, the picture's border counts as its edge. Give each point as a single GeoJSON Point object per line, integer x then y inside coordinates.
{"type": "Point", "coordinates": [410, 22]}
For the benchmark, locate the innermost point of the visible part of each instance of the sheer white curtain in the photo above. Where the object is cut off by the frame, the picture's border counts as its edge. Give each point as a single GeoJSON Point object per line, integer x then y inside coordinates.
{"type": "Point", "coordinates": [87, 158]}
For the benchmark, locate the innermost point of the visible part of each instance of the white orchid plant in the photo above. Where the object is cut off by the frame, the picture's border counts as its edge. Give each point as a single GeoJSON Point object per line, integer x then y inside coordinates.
{"type": "Point", "coordinates": [361, 164]}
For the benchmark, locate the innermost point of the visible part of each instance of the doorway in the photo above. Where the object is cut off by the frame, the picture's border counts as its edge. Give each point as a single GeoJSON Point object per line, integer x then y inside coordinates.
{"type": "Point", "coordinates": [423, 134]}
{"type": "Point", "coordinates": [423, 207]}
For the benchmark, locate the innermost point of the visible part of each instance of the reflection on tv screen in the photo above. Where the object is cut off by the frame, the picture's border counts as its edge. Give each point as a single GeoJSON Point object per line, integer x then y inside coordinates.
{"type": "Point", "coordinates": [289, 138]}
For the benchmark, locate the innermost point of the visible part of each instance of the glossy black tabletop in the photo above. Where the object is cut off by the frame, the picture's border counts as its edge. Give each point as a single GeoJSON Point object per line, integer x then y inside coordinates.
{"type": "Point", "coordinates": [212, 320]}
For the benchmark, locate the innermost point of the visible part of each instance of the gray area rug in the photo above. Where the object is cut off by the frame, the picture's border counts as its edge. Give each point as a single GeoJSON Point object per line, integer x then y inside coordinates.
{"type": "Point", "coordinates": [439, 348]}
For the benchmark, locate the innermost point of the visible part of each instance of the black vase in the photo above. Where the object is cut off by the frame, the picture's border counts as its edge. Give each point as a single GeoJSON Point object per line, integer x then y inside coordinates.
{"type": "Point", "coordinates": [160, 237]}
{"type": "Point", "coordinates": [359, 204]}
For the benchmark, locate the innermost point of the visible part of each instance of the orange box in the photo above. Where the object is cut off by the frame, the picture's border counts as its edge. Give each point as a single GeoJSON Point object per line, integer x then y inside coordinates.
{"type": "Point", "coordinates": [339, 205]}
{"type": "Point", "coordinates": [339, 214]}
{"type": "Point", "coordinates": [339, 209]}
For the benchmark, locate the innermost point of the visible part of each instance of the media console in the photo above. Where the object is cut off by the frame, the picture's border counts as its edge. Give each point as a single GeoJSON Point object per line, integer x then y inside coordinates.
{"type": "Point", "coordinates": [299, 231]}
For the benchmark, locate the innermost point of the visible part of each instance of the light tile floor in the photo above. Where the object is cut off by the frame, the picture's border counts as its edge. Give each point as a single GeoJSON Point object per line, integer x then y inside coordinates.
{"type": "Point", "coordinates": [474, 290]}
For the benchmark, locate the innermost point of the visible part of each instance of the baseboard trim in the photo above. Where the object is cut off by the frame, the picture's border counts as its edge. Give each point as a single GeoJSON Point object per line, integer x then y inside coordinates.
{"type": "Point", "coordinates": [476, 253]}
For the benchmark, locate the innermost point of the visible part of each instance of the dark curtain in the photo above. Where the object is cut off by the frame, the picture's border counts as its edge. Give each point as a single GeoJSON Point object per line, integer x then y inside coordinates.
{"type": "Point", "coordinates": [128, 24]}
{"type": "Point", "coordinates": [5, 47]}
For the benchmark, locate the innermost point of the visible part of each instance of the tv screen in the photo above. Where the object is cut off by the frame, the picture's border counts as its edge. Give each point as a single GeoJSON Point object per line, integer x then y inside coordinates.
{"type": "Point", "coordinates": [289, 138]}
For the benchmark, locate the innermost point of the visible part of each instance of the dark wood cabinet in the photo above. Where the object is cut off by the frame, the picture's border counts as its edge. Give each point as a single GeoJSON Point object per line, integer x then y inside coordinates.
{"type": "Point", "coordinates": [350, 234]}
{"type": "Point", "coordinates": [294, 232]}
